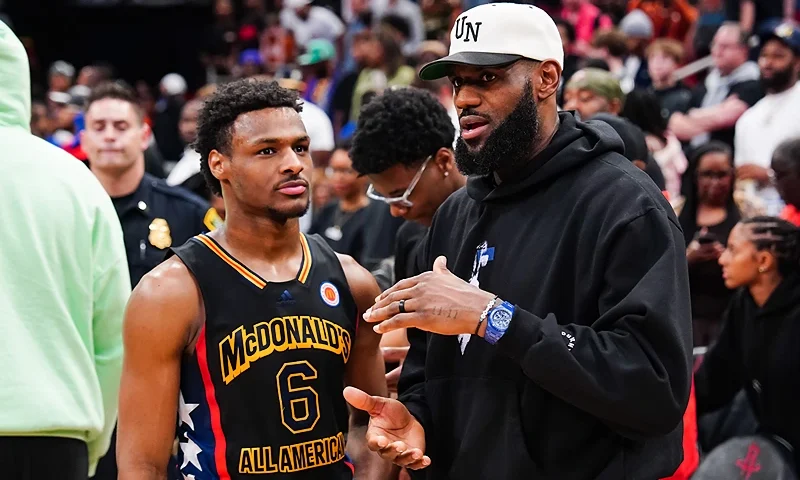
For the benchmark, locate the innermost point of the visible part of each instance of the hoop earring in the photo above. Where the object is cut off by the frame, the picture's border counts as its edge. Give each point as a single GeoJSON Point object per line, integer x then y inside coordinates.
{"type": "Point", "coordinates": [762, 269]}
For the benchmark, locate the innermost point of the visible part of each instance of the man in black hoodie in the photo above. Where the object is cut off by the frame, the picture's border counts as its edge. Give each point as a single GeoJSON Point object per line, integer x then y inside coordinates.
{"type": "Point", "coordinates": [559, 342]}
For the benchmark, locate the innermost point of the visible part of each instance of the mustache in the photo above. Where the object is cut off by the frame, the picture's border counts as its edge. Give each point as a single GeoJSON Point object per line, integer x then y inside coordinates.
{"type": "Point", "coordinates": [467, 112]}
{"type": "Point", "coordinates": [293, 178]}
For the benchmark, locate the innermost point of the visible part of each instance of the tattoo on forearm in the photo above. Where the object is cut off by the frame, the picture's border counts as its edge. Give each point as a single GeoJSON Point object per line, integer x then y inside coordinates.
{"type": "Point", "coordinates": [448, 313]}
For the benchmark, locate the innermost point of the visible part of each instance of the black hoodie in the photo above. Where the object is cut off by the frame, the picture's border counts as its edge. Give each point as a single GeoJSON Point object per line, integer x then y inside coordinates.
{"type": "Point", "coordinates": [592, 378]}
{"type": "Point", "coordinates": [758, 350]}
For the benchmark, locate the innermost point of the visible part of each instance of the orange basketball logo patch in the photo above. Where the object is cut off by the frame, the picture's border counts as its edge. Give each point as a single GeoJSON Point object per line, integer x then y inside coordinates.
{"type": "Point", "coordinates": [329, 294]}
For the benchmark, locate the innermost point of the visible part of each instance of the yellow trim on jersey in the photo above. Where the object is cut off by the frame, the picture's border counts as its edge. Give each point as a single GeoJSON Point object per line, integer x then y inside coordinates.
{"type": "Point", "coordinates": [306, 268]}
{"type": "Point", "coordinates": [212, 220]}
{"type": "Point", "coordinates": [254, 279]}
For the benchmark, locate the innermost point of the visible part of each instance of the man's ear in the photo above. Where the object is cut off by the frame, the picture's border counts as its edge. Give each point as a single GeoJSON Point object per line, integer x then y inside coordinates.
{"type": "Point", "coordinates": [218, 165]}
{"type": "Point", "coordinates": [548, 79]}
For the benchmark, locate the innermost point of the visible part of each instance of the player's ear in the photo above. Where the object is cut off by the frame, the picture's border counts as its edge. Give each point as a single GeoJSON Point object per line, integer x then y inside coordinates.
{"type": "Point", "coordinates": [217, 165]}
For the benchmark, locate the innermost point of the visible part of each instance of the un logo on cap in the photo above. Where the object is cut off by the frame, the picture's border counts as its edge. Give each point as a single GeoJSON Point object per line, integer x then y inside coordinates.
{"type": "Point", "coordinates": [466, 29]}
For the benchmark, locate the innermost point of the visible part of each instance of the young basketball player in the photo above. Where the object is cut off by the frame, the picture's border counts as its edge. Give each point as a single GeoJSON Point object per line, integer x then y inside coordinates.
{"type": "Point", "coordinates": [244, 337]}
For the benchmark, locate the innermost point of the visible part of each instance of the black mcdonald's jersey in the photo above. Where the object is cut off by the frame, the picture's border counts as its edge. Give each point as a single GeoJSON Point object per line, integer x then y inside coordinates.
{"type": "Point", "coordinates": [261, 396]}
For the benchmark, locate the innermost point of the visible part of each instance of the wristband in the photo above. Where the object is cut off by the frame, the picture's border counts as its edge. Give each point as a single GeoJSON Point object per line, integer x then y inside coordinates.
{"type": "Point", "coordinates": [485, 313]}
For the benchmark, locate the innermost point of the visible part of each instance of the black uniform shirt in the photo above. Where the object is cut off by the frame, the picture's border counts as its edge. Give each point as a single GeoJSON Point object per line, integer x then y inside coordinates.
{"type": "Point", "coordinates": [155, 217]}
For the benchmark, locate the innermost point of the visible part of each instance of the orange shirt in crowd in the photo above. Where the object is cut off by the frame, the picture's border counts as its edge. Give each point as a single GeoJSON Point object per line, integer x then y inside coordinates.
{"type": "Point", "coordinates": [668, 21]}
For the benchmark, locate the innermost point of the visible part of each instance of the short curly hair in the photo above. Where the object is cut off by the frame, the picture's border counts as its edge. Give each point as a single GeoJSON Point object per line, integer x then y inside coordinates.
{"type": "Point", "coordinates": [220, 110]}
{"type": "Point", "coordinates": [400, 126]}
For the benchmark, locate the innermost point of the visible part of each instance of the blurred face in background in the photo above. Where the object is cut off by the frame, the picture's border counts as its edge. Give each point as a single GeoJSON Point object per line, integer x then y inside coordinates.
{"type": "Point", "coordinates": [40, 121]}
{"type": "Point", "coordinates": [728, 53]}
{"type": "Point", "coordinates": [223, 8]}
{"type": "Point", "coordinates": [778, 65]}
{"type": "Point", "coordinates": [115, 137]}
{"type": "Point", "coordinates": [187, 125]}
{"type": "Point", "coordinates": [321, 192]}
{"type": "Point", "coordinates": [345, 181]}
{"type": "Point", "coordinates": [714, 178]}
{"type": "Point", "coordinates": [787, 179]}
{"type": "Point", "coordinates": [588, 104]}
{"type": "Point", "coordinates": [661, 67]}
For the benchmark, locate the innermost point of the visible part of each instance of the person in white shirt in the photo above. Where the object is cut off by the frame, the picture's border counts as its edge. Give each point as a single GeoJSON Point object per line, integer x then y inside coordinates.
{"type": "Point", "coordinates": [189, 164]}
{"type": "Point", "coordinates": [308, 22]}
{"type": "Point", "coordinates": [773, 119]}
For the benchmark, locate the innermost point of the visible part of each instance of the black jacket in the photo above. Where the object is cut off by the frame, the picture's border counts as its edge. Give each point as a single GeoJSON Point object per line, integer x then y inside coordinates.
{"type": "Point", "coordinates": [757, 351]}
{"type": "Point", "coordinates": [592, 378]}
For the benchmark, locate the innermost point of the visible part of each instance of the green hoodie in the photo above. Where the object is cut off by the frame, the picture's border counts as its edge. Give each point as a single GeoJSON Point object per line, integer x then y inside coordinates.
{"type": "Point", "coordinates": [63, 281]}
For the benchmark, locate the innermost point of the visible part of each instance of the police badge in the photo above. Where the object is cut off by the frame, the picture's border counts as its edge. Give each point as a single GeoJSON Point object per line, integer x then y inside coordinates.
{"type": "Point", "coordinates": [159, 236]}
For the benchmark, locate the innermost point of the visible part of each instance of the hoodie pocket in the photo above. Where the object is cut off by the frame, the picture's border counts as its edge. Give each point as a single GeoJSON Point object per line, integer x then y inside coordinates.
{"type": "Point", "coordinates": [477, 430]}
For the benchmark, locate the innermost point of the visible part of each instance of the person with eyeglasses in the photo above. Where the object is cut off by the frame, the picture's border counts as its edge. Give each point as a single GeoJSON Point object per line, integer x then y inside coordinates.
{"type": "Point", "coordinates": [707, 218]}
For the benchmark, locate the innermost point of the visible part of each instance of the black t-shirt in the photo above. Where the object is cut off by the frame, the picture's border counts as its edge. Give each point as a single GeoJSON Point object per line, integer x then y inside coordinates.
{"type": "Point", "coordinates": [749, 91]}
{"type": "Point", "coordinates": [344, 231]}
{"type": "Point", "coordinates": [709, 294]}
{"type": "Point", "coordinates": [409, 238]}
{"type": "Point", "coordinates": [765, 9]}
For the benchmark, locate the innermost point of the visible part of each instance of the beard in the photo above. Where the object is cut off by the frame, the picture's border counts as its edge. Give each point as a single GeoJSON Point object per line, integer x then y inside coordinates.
{"type": "Point", "coordinates": [508, 146]}
{"type": "Point", "coordinates": [780, 80]}
{"type": "Point", "coordinates": [282, 215]}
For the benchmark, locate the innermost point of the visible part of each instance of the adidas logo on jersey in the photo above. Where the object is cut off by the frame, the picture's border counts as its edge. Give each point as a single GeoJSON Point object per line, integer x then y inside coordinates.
{"type": "Point", "coordinates": [285, 298]}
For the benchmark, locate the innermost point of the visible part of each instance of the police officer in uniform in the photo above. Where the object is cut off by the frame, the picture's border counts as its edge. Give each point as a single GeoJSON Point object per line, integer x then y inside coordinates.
{"type": "Point", "coordinates": [154, 216]}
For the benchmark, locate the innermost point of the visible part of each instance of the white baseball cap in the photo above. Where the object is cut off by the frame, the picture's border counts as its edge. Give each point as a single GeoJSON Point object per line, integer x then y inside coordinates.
{"type": "Point", "coordinates": [499, 34]}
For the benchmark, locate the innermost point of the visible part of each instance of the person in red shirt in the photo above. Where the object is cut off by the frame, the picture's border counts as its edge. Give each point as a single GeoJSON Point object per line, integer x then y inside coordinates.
{"type": "Point", "coordinates": [587, 19]}
{"type": "Point", "coordinates": [786, 168]}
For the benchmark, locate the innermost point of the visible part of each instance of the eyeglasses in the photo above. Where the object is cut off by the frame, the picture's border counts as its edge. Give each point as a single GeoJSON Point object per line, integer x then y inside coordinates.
{"type": "Point", "coordinates": [714, 175]}
{"type": "Point", "coordinates": [402, 200]}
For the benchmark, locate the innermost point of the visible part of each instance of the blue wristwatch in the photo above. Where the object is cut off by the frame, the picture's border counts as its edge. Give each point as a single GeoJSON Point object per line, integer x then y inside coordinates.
{"type": "Point", "coordinates": [497, 322]}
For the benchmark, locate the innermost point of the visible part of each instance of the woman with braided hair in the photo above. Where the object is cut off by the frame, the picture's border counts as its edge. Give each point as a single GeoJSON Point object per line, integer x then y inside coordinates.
{"type": "Point", "coordinates": [757, 349]}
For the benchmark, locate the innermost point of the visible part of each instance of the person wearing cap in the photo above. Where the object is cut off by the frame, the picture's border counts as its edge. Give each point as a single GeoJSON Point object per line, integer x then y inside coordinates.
{"type": "Point", "coordinates": [318, 65]}
{"type": "Point", "coordinates": [556, 304]}
{"type": "Point", "coordinates": [61, 76]}
{"type": "Point", "coordinates": [774, 118]}
{"type": "Point", "coordinates": [638, 28]}
{"type": "Point", "coordinates": [591, 91]}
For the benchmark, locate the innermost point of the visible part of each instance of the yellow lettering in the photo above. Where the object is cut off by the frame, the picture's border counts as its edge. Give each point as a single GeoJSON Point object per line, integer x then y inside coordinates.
{"type": "Point", "coordinates": [285, 460]}
{"type": "Point", "coordinates": [242, 348]}
{"type": "Point", "coordinates": [293, 458]}
{"type": "Point", "coordinates": [246, 461]}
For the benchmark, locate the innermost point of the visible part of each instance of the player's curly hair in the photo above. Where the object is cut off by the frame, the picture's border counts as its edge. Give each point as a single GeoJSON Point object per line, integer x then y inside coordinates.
{"type": "Point", "coordinates": [215, 122]}
{"type": "Point", "coordinates": [400, 126]}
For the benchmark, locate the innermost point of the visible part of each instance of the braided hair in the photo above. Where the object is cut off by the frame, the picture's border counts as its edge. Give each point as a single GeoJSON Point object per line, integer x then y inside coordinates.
{"type": "Point", "coordinates": [779, 237]}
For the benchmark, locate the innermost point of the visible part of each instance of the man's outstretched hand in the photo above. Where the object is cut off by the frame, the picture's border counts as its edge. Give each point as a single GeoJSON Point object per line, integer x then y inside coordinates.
{"type": "Point", "coordinates": [393, 432]}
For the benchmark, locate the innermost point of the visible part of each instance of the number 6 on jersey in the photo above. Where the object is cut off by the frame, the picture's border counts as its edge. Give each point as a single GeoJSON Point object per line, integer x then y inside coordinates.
{"type": "Point", "coordinates": [299, 404]}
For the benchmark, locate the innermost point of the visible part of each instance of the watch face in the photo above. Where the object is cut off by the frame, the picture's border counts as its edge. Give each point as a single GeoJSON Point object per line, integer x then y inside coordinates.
{"type": "Point", "coordinates": [500, 318]}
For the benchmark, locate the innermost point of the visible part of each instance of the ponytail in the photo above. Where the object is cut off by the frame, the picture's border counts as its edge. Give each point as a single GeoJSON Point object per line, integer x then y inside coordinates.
{"type": "Point", "coordinates": [779, 237]}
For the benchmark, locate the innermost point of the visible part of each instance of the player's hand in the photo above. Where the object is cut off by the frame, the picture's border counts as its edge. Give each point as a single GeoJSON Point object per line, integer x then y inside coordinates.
{"type": "Point", "coordinates": [392, 432]}
{"type": "Point", "coordinates": [437, 302]}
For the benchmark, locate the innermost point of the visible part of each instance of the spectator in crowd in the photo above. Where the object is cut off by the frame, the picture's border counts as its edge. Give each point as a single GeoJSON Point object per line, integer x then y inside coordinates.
{"type": "Point", "coordinates": [167, 115]}
{"type": "Point", "coordinates": [218, 54]}
{"type": "Point", "coordinates": [773, 119]}
{"type": "Point", "coordinates": [643, 108]}
{"type": "Point", "coordinates": [671, 18]}
{"type": "Point", "coordinates": [611, 46]}
{"type": "Point", "coordinates": [527, 161]}
{"type": "Point", "coordinates": [757, 348]}
{"type": "Point", "coordinates": [429, 51]}
{"type": "Point", "coordinates": [61, 76]}
{"type": "Point", "coordinates": [592, 91]}
{"type": "Point", "coordinates": [410, 13]}
{"type": "Point", "coordinates": [664, 56]}
{"type": "Point", "coordinates": [318, 64]}
{"type": "Point", "coordinates": [384, 67]}
{"type": "Point", "coordinates": [638, 28]}
{"type": "Point", "coordinates": [728, 91]}
{"type": "Point", "coordinates": [307, 22]}
{"type": "Point", "coordinates": [707, 217]}
{"type": "Point", "coordinates": [321, 190]}
{"type": "Point", "coordinates": [189, 164]}
{"type": "Point", "coordinates": [318, 125]}
{"type": "Point", "coordinates": [250, 64]}
{"type": "Point", "coordinates": [342, 223]}
{"type": "Point", "coordinates": [64, 287]}
{"type": "Point", "coordinates": [786, 165]}
{"type": "Point", "coordinates": [93, 75]}
{"type": "Point", "coordinates": [587, 19]}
